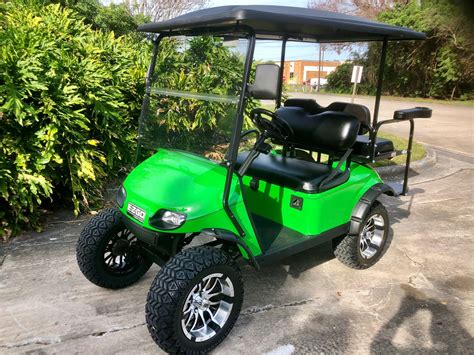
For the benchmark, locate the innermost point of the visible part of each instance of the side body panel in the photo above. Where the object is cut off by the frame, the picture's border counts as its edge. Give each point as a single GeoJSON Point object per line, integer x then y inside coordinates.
{"type": "Point", "coordinates": [320, 211]}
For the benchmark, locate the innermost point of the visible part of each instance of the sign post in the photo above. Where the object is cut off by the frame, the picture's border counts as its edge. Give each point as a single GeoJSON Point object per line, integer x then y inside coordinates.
{"type": "Point", "coordinates": [356, 78]}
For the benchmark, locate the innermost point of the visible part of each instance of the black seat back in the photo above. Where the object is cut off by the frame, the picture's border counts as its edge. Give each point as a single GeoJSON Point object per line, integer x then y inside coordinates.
{"type": "Point", "coordinates": [265, 86]}
{"type": "Point", "coordinates": [309, 105]}
{"type": "Point", "coordinates": [327, 132]}
{"type": "Point", "coordinates": [361, 112]}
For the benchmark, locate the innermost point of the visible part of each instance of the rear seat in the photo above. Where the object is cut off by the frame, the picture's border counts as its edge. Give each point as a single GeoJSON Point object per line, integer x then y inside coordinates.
{"type": "Point", "coordinates": [361, 146]}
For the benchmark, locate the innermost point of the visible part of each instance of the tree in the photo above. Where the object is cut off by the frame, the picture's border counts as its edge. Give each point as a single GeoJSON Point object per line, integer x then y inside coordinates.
{"type": "Point", "coordinates": [160, 10]}
{"type": "Point", "coordinates": [113, 17]}
{"type": "Point", "coordinates": [439, 67]}
{"type": "Point", "coordinates": [363, 8]}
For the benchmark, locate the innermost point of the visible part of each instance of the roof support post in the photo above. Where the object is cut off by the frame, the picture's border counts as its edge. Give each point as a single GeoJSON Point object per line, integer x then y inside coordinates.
{"type": "Point", "coordinates": [378, 95]}
{"type": "Point", "coordinates": [282, 70]}
{"type": "Point", "coordinates": [146, 97]}
{"type": "Point", "coordinates": [235, 140]}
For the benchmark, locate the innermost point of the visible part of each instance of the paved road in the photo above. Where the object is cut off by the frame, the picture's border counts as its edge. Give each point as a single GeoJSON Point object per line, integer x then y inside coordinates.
{"type": "Point", "coordinates": [451, 127]}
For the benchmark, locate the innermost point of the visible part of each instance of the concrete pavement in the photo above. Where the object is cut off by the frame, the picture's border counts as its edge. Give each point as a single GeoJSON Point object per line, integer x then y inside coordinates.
{"type": "Point", "coordinates": [451, 126]}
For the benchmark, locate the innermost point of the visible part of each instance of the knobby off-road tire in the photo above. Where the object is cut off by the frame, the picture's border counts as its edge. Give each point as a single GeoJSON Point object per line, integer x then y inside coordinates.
{"type": "Point", "coordinates": [171, 304]}
{"type": "Point", "coordinates": [356, 251]}
{"type": "Point", "coordinates": [107, 253]}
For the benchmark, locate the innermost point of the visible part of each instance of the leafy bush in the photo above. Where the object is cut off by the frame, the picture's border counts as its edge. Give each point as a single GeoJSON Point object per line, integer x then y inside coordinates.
{"type": "Point", "coordinates": [69, 98]}
{"type": "Point", "coordinates": [339, 80]}
{"type": "Point", "coordinates": [112, 17]}
{"type": "Point", "coordinates": [439, 67]}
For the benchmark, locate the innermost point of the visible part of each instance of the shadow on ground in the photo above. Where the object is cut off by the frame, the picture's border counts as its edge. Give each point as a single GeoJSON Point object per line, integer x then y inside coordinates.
{"type": "Point", "coordinates": [445, 333]}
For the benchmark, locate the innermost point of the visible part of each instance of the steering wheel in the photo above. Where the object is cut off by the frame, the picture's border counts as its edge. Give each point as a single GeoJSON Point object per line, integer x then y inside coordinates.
{"type": "Point", "coordinates": [274, 127]}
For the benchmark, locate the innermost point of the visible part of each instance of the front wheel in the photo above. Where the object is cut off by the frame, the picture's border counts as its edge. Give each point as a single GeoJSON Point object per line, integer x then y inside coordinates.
{"type": "Point", "coordinates": [107, 252]}
{"type": "Point", "coordinates": [194, 301]}
{"type": "Point", "coordinates": [365, 249]}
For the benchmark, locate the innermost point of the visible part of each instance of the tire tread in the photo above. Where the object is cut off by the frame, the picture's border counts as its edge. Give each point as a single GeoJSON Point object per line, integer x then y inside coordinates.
{"type": "Point", "coordinates": [168, 287]}
{"type": "Point", "coordinates": [347, 250]}
{"type": "Point", "coordinates": [89, 243]}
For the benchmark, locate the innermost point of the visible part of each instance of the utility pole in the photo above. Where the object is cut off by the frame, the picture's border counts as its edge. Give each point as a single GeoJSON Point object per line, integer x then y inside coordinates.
{"type": "Point", "coordinates": [321, 60]}
{"type": "Point", "coordinates": [319, 70]}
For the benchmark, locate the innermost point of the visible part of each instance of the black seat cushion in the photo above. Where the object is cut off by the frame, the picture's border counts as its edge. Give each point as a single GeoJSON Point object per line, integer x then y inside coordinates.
{"type": "Point", "coordinates": [296, 174]}
{"type": "Point", "coordinates": [362, 147]}
{"type": "Point", "coordinates": [327, 131]}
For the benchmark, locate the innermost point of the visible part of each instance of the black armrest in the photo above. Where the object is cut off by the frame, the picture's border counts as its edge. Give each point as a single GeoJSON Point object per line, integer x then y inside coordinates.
{"type": "Point", "coordinates": [410, 113]}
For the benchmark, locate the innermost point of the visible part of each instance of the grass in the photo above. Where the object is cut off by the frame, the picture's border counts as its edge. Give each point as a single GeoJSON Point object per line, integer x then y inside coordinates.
{"type": "Point", "coordinates": [418, 150]}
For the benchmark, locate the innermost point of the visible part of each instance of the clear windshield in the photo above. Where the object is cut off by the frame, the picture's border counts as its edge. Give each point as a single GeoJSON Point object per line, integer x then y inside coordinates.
{"type": "Point", "coordinates": [195, 89]}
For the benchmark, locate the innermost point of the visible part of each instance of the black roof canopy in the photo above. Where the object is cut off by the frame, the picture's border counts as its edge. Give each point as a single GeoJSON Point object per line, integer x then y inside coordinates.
{"type": "Point", "coordinates": [272, 22]}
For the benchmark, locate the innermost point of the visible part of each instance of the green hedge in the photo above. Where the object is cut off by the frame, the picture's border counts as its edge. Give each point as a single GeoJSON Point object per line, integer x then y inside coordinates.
{"type": "Point", "coordinates": [69, 99]}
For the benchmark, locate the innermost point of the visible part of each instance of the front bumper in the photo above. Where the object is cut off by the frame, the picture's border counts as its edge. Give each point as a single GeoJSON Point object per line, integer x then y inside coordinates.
{"type": "Point", "coordinates": [161, 245]}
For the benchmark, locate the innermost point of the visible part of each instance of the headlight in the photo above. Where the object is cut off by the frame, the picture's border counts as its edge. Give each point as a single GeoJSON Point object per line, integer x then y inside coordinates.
{"type": "Point", "coordinates": [121, 196]}
{"type": "Point", "coordinates": [165, 219]}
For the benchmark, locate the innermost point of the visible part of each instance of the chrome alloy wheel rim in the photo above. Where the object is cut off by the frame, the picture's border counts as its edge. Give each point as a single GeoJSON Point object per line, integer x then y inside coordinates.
{"type": "Point", "coordinates": [207, 307]}
{"type": "Point", "coordinates": [372, 235]}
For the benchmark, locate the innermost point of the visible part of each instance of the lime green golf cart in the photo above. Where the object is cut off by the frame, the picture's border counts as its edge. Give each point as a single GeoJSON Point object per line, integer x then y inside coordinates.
{"type": "Point", "coordinates": [201, 201]}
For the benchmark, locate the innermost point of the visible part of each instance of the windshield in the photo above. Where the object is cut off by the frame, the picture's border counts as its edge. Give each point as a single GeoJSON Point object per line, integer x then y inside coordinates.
{"type": "Point", "coordinates": [194, 94]}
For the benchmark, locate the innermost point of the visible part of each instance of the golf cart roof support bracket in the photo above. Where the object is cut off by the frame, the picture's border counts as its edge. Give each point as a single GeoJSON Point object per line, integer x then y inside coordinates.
{"type": "Point", "coordinates": [235, 140]}
{"type": "Point", "coordinates": [225, 235]}
{"type": "Point", "coordinates": [282, 70]}
{"type": "Point", "coordinates": [383, 57]}
{"type": "Point", "coordinates": [376, 125]}
{"type": "Point", "coordinates": [146, 97]}
{"type": "Point", "coordinates": [409, 148]}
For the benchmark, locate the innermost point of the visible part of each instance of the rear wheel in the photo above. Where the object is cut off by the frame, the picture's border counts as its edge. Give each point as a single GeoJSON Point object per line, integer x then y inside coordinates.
{"type": "Point", "coordinates": [194, 301]}
{"type": "Point", "coordinates": [364, 249]}
{"type": "Point", "coordinates": [107, 252]}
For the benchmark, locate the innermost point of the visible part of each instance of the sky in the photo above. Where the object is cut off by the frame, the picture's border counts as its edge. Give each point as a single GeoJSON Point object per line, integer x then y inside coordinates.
{"type": "Point", "coordinates": [270, 50]}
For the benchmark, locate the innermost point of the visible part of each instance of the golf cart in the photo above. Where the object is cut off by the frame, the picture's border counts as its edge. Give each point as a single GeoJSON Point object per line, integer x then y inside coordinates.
{"type": "Point", "coordinates": [299, 178]}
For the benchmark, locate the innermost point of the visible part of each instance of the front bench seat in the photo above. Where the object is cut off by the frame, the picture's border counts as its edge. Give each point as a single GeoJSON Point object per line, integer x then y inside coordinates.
{"type": "Point", "coordinates": [296, 174]}
{"type": "Point", "coordinates": [361, 146]}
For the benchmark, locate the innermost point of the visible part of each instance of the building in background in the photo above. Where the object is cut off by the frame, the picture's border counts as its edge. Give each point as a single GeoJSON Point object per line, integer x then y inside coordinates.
{"type": "Point", "coordinates": [299, 72]}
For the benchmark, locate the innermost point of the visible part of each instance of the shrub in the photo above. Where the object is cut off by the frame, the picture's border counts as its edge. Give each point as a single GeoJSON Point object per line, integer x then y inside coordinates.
{"type": "Point", "coordinates": [69, 99]}
{"type": "Point", "coordinates": [339, 80]}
